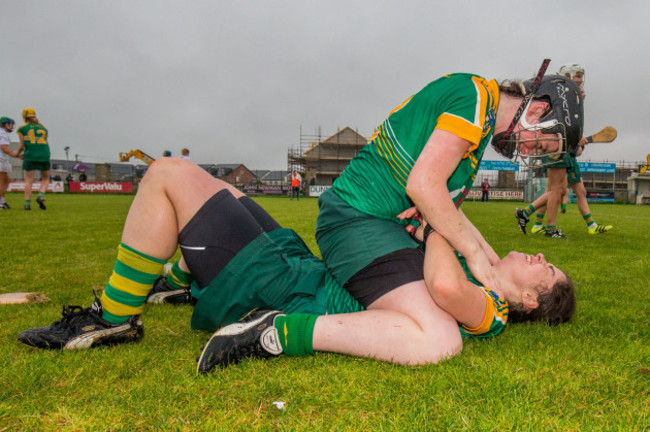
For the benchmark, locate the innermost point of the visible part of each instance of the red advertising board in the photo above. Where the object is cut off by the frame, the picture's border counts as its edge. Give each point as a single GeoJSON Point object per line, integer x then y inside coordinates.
{"type": "Point", "coordinates": [101, 187]}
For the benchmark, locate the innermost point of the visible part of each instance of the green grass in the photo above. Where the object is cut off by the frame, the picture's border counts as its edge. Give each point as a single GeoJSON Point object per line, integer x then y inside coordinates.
{"type": "Point", "coordinates": [590, 374]}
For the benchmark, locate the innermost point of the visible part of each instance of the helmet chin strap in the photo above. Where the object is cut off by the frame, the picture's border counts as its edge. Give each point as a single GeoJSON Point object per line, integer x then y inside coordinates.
{"type": "Point", "coordinates": [524, 113]}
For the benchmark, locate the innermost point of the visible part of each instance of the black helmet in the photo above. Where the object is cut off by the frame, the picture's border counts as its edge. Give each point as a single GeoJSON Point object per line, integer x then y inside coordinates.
{"type": "Point", "coordinates": [564, 119]}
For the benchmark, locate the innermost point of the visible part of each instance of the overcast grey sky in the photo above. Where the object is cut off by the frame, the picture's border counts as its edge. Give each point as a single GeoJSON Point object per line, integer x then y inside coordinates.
{"type": "Point", "coordinates": [234, 81]}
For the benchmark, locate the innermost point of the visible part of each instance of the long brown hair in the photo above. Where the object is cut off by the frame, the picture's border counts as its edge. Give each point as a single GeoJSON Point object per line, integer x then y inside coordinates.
{"type": "Point", "coordinates": [555, 306]}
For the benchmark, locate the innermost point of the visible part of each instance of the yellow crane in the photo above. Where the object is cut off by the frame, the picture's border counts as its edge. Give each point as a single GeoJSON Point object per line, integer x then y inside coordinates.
{"type": "Point", "coordinates": [124, 157]}
{"type": "Point", "coordinates": [646, 168]}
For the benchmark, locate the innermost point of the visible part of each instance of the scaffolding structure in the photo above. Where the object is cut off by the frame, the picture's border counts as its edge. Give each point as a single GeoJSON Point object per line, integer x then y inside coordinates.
{"type": "Point", "coordinates": [296, 155]}
{"type": "Point", "coordinates": [321, 160]}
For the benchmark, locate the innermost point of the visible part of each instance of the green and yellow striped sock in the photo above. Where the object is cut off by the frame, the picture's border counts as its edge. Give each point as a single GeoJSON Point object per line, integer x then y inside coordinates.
{"type": "Point", "coordinates": [133, 277]}
{"type": "Point", "coordinates": [589, 220]}
{"type": "Point", "coordinates": [296, 333]}
{"type": "Point", "coordinates": [529, 210]}
{"type": "Point", "coordinates": [179, 278]}
{"type": "Point", "coordinates": [539, 219]}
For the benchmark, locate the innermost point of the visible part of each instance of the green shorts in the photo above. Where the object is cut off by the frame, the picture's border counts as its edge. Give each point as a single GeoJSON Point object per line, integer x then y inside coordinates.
{"type": "Point", "coordinates": [573, 173]}
{"type": "Point", "coordinates": [349, 239]}
{"type": "Point", "coordinates": [274, 271]}
{"type": "Point", "coordinates": [552, 163]}
{"type": "Point", "coordinates": [36, 165]}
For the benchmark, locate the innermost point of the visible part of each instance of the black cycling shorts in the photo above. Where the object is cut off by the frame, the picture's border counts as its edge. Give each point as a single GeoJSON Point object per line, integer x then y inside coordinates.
{"type": "Point", "coordinates": [385, 274]}
{"type": "Point", "coordinates": [221, 228]}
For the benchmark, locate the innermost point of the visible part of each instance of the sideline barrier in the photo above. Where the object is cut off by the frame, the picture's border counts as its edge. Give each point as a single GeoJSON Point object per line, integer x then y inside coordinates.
{"type": "Point", "coordinates": [316, 191]}
{"type": "Point", "coordinates": [19, 186]}
{"type": "Point", "coordinates": [266, 190]}
{"type": "Point", "coordinates": [514, 195]}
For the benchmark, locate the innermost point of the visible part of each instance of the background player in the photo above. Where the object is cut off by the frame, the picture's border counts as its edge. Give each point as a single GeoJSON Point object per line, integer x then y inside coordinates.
{"type": "Point", "coordinates": [6, 127]}
{"type": "Point", "coordinates": [576, 183]}
{"type": "Point", "coordinates": [35, 152]}
{"type": "Point", "coordinates": [561, 172]}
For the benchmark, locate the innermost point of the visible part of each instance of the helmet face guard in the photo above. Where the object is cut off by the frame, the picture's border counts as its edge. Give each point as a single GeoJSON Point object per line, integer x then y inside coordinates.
{"type": "Point", "coordinates": [571, 69]}
{"type": "Point", "coordinates": [558, 131]}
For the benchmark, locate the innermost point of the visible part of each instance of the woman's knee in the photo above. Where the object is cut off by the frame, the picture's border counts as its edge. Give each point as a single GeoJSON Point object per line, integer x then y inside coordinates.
{"type": "Point", "coordinates": [167, 170]}
{"type": "Point", "coordinates": [163, 165]}
{"type": "Point", "coordinates": [579, 189]}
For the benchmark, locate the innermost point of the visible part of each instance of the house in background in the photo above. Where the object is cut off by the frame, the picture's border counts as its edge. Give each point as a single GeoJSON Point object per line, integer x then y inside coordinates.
{"type": "Point", "coordinates": [322, 161]}
{"type": "Point", "coordinates": [235, 174]}
{"type": "Point", "coordinates": [272, 178]}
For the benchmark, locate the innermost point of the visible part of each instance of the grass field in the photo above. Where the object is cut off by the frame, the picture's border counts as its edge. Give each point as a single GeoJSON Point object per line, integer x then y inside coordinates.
{"type": "Point", "coordinates": [592, 374]}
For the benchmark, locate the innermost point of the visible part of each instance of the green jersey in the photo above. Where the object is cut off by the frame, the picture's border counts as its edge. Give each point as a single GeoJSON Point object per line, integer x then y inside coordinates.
{"type": "Point", "coordinates": [463, 104]}
{"type": "Point", "coordinates": [35, 141]}
{"type": "Point", "coordinates": [496, 309]}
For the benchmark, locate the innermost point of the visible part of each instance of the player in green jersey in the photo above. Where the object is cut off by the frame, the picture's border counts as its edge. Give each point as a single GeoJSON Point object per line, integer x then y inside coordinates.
{"type": "Point", "coordinates": [237, 258]}
{"type": "Point", "coordinates": [575, 182]}
{"type": "Point", "coordinates": [414, 329]}
{"type": "Point", "coordinates": [35, 152]}
{"type": "Point", "coordinates": [426, 154]}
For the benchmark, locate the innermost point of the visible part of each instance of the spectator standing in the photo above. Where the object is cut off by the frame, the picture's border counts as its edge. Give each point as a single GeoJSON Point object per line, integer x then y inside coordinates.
{"type": "Point", "coordinates": [185, 154]}
{"type": "Point", "coordinates": [485, 189]}
{"type": "Point", "coordinates": [296, 180]}
{"type": "Point", "coordinates": [35, 152]}
{"type": "Point", "coordinates": [6, 127]}
{"type": "Point", "coordinates": [83, 177]}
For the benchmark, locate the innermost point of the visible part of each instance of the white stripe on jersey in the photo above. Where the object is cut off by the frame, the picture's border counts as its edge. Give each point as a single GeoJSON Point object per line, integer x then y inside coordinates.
{"type": "Point", "coordinates": [477, 114]}
{"type": "Point", "coordinates": [408, 160]}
